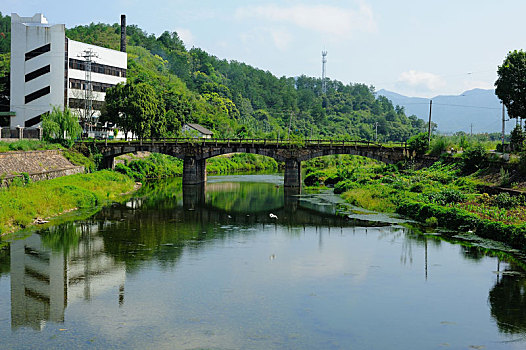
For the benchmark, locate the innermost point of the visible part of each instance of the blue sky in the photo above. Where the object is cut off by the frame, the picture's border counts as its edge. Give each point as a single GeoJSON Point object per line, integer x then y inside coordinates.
{"type": "Point", "coordinates": [416, 48]}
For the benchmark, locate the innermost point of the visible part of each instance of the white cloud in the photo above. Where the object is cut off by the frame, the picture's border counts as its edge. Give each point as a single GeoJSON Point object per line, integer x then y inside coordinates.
{"type": "Point", "coordinates": [281, 38]}
{"type": "Point", "coordinates": [330, 20]}
{"type": "Point", "coordinates": [186, 36]}
{"type": "Point", "coordinates": [422, 80]}
{"type": "Point", "coordinates": [477, 84]}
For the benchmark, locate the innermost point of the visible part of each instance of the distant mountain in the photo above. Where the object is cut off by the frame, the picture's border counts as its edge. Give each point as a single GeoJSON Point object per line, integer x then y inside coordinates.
{"type": "Point", "coordinates": [477, 107]}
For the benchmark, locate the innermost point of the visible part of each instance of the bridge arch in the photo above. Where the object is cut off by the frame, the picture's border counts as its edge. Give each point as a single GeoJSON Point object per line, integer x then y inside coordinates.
{"type": "Point", "coordinates": [195, 153]}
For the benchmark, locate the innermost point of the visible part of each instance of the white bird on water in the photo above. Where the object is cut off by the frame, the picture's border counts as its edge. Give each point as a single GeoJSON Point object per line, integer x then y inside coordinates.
{"type": "Point", "coordinates": [273, 216]}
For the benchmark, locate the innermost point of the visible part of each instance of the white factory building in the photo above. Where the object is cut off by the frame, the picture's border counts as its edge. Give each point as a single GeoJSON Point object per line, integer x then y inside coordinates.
{"type": "Point", "coordinates": [48, 69]}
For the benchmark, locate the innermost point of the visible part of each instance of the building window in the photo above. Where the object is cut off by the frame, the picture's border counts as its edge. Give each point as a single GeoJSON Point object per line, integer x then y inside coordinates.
{"type": "Point", "coordinates": [78, 103]}
{"type": "Point", "coordinates": [37, 94]}
{"type": "Point", "coordinates": [95, 86]}
{"type": "Point", "coordinates": [98, 68]}
{"type": "Point", "coordinates": [37, 73]}
{"type": "Point", "coordinates": [34, 121]}
{"type": "Point", "coordinates": [38, 51]}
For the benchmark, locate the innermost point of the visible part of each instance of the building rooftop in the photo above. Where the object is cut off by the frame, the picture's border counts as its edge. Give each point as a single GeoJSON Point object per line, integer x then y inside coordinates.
{"type": "Point", "coordinates": [200, 128]}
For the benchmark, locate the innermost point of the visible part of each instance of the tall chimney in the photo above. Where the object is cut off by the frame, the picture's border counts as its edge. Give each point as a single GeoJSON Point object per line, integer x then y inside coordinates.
{"type": "Point", "coordinates": [123, 33]}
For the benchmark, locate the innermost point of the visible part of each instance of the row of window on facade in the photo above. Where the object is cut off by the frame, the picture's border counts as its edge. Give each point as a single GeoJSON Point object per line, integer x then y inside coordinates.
{"type": "Point", "coordinates": [77, 103]}
{"type": "Point", "coordinates": [82, 85]}
{"type": "Point", "coordinates": [97, 68]}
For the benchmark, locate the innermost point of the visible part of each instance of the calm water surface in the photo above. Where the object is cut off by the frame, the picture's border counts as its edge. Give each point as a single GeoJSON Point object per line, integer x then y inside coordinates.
{"type": "Point", "coordinates": [208, 268]}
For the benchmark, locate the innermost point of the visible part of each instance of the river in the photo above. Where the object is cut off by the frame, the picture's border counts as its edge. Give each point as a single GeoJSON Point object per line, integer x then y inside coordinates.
{"type": "Point", "coordinates": [208, 268]}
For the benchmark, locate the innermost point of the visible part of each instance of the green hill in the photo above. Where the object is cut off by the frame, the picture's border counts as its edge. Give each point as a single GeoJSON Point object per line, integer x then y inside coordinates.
{"type": "Point", "coordinates": [235, 99]}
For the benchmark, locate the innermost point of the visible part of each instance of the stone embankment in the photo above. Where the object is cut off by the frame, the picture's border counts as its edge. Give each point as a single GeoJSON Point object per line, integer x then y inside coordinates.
{"type": "Point", "coordinates": [38, 165]}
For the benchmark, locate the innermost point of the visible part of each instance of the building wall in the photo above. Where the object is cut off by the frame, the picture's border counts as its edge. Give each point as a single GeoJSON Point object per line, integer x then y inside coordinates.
{"type": "Point", "coordinates": [51, 70]}
{"type": "Point", "coordinates": [108, 58]}
{"type": "Point", "coordinates": [28, 34]}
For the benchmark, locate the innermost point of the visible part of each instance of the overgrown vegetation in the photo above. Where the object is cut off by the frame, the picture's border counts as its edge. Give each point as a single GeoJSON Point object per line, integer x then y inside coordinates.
{"type": "Point", "coordinates": [441, 195]}
{"type": "Point", "coordinates": [27, 145]}
{"type": "Point", "coordinates": [155, 166]}
{"type": "Point", "coordinates": [158, 166]}
{"type": "Point", "coordinates": [22, 203]}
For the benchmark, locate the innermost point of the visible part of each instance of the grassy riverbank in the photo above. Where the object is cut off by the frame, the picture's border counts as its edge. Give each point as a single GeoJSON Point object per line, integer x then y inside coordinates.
{"type": "Point", "coordinates": [27, 145]}
{"type": "Point", "coordinates": [22, 204]}
{"type": "Point", "coordinates": [441, 195]}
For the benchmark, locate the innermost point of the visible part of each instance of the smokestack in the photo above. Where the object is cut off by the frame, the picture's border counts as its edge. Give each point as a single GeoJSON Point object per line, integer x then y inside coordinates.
{"type": "Point", "coordinates": [123, 33]}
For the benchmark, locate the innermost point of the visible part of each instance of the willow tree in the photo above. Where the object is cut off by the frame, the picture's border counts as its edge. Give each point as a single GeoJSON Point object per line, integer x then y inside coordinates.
{"type": "Point", "coordinates": [61, 126]}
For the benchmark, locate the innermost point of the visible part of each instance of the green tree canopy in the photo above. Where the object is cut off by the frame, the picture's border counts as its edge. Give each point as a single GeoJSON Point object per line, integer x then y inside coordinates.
{"type": "Point", "coordinates": [511, 83]}
{"type": "Point", "coordinates": [61, 126]}
{"type": "Point", "coordinates": [135, 108]}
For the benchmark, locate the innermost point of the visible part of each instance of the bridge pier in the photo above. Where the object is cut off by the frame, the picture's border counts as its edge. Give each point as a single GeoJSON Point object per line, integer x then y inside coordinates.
{"type": "Point", "coordinates": [194, 171]}
{"type": "Point", "coordinates": [194, 196]}
{"type": "Point", "coordinates": [292, 173]}
{"type": "Point", "coordinates": [108, 162]}
{"type": "Point", "coordinates": [291, 199]}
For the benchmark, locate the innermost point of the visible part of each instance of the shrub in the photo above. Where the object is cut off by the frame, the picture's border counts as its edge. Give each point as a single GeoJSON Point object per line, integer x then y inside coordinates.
{"type": "Point", "coordinates": [345, 186]}
{"type": "Point", "coordinates": [432, 222]}
{"type": "Point", "coordinates": [315, 178]}
{"type": "Point", "coordinates": [417, 187]}
{"type": "Point", "coordinates": [418, 143]}
{"type": "Point", "coordinates": [522, 163]}
{"type": "Point", "coordinates": [504, 177]}
{"type": "Point", "coordinates": [439, 145]}
{"type": "Point", "coordinates": [505, 201]}
{"type": "Point", "coordinates": [446, 196]}
{"type": "Point", "coordinates": [474, 158]}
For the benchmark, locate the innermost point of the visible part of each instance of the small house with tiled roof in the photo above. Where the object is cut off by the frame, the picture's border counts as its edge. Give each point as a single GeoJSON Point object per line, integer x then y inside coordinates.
{"type": "Point", "coordinates": [197, 130]}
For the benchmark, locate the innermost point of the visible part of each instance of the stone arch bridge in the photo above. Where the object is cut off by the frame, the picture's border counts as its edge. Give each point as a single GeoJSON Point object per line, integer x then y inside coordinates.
{"type": "Point", "coordinates": [195, 152]}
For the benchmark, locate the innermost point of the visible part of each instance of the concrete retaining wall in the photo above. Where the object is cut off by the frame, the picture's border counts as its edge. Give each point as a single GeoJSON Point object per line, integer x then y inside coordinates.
{"type": "Point", "coordinates": [39, 165]}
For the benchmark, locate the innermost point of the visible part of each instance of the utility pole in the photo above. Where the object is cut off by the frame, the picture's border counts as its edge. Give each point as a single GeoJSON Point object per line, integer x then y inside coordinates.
{"type": "Point", "coordinates": [471, 132]}
{"type": "Point", "coordinates": [429, 126]}
{"type": "Point", "coordinates": [290, 123]}
{"type": "Point", "coordinates": [376, 132]}
{"type": "Point", "coordinates": [503, 126]}
{"type": "Point", "coordinates": [88, 56]}
{"type": "Point", "coordinates": [323, 72]}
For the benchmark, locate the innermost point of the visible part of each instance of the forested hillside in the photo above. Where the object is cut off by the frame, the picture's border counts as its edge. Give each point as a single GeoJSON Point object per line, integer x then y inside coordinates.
{"type": "Point", "coordinates": [235, 99]}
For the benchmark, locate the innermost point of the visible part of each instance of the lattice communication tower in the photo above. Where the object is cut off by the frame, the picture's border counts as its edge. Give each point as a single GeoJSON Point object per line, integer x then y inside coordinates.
{"type": "Point", "coordinates": [88, 56]}
{"type": "Point", "coordinates": [323, 72]}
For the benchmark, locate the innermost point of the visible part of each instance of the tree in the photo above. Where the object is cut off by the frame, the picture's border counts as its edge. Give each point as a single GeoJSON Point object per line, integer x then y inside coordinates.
{"type": "Point", "coordinates": [511, 83]}
{"type": "Point", "coordinates": [142, 107]}
{"type": "Point", "coordinates": [61, 126]}
{"type": "Point", "coordinates": [517, 138]}
{"type": "Point", "coordinates": [135, 108]}
{"type": "Point", "coordinates": [115, 108]}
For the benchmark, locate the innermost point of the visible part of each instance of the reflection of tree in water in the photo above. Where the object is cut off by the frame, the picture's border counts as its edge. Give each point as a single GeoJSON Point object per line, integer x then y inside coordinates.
{"type": "Point", "coordinates": [61, 238]}
{"type": "Point", "coordinates": [507, 300]}
{"type": "Point", "coordinates": [473, 253]}
{"type": "Point", "coordinates": [5, 261]}
{"type": "Point", "coordinates": [244, 197]}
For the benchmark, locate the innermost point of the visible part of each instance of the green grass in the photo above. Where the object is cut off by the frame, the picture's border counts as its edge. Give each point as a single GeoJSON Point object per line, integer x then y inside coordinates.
{"type": "Point", "coordinates": [438, 195]}
{"type": "Point", "coordinates": [77, 158]}
{"type": "Point", "coordinates": [27, 145]}
{"type": "Point", "coordinates": [156, 166]}
{"type": "Point", "coordinates": [20, 205]}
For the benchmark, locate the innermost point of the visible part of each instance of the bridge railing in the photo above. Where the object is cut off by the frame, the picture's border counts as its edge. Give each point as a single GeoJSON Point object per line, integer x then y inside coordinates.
{"type": "Point", "coordinates": [254, 141]}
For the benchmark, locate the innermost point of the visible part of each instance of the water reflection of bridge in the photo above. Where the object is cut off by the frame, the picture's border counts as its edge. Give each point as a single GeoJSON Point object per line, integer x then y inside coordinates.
{"type": "Point", "coordinates": [291, 210]}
